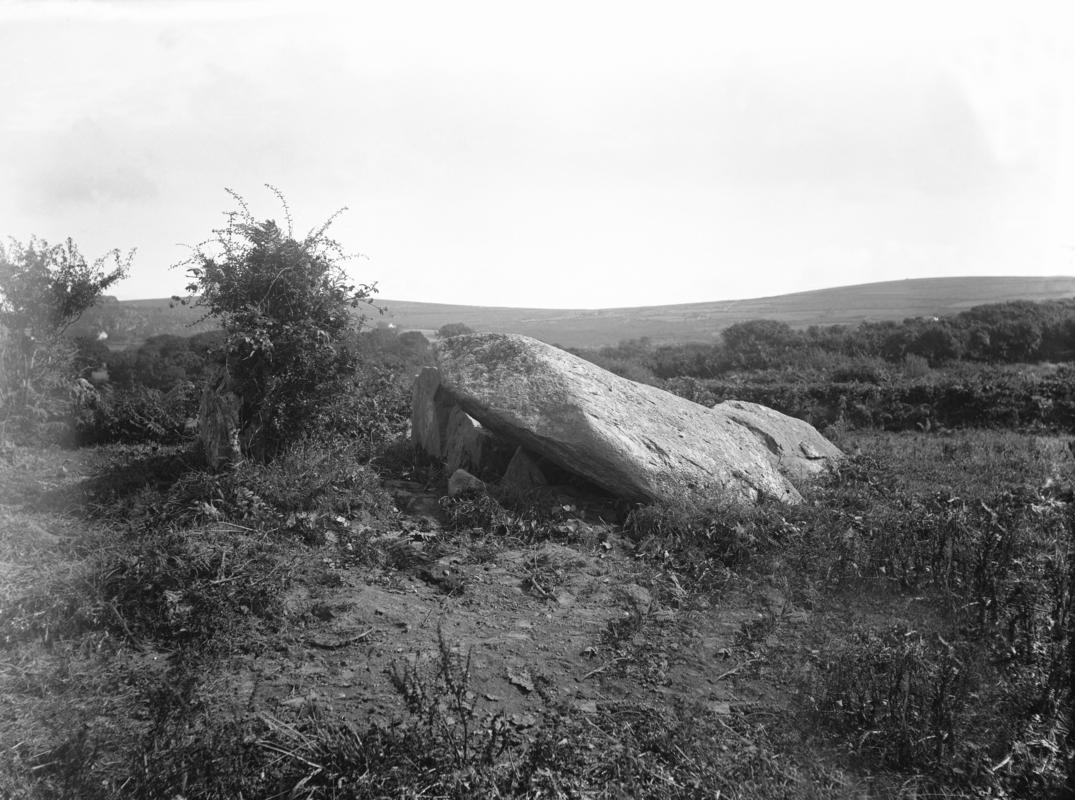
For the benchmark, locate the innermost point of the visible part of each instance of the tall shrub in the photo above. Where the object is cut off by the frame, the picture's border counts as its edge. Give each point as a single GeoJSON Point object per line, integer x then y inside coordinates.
{"type": "Point", "coordinates": [286, 307]}
{"type": "Point", "coordinates": [44, 289]}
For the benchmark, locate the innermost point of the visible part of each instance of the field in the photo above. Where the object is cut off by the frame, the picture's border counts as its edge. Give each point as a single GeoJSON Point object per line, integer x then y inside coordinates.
{"type": "Point", "coordinates": [329, 627]}
{"type": "Point", "coordinates": [319, 619]}
{"type": "Point", "coordinates": [131, 322]}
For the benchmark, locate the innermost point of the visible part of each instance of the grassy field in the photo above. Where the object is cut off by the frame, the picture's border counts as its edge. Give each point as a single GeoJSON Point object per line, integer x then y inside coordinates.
{"type": "Point", "coordinates": [694, 322]}
{"type": "Point", "coordinates": [318, 628]}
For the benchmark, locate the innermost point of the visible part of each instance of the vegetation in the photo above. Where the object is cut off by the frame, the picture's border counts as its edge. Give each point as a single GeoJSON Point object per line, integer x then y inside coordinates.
{"type": "Point", "coordinates": [453, 329]}
{"type": "Point", "coordinates": [319, 622]}
{"type": "Point", "coordinates": [284, 305]}
{"type": "Point", "coordinates": [132, 321]}
{"type": "Point", "coordinates": [43, 290]}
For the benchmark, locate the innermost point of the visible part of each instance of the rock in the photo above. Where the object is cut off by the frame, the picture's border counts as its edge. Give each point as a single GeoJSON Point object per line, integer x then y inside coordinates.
{"type": "Point", "coordinates": [523, 474]}
{"type": "Point", "coordinates": [635, 441]}
{"type": "Point", "coordinates": [429, 415]}
{"type": "Point", "coordinates": [462, 481]}
{"type": "Point", "coordinates": [218, 424]}
{"type": "Point", "coordinates": [467, 445]}
{"type": "Point", "coordinates": [636, 596]}
{"type": "Point", "coordinates": [795, 447]}
{"type": "Point", "coordinates": [445, 431]}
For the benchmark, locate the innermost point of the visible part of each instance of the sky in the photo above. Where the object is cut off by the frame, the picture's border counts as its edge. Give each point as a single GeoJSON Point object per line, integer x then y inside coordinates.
{"type": "Point", "coordinates": [554, 154]}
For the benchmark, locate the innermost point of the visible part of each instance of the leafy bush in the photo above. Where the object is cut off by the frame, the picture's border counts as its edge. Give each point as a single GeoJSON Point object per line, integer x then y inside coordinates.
{"type": "Point", "coordinates": [43, 290]}
{"type": "Point", "coordinates": [136, 413]}
{"type": "Point", "coordinates": [453, 329]}
{"type": "Point", "coordinates": [915, 366]}
{"type": "Point", "coordinates": [285, 306]}
{"type": "Point", "coordinates": [970, 398]}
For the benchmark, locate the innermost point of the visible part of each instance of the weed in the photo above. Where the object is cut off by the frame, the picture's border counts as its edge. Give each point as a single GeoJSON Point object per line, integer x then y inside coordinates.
{"type": "Point", "coordinates": [703, 543]}
{"type": "Point", "coordinates": [471, 510]}
{"type": "Point", "coordinates": [978, 696]}
{"type": "Point", "coordinates": [446, 709]}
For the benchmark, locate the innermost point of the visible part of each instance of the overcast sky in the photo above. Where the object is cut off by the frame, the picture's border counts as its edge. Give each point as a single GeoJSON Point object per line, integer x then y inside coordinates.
{"type": "Point", "coordinates": [553, 154]}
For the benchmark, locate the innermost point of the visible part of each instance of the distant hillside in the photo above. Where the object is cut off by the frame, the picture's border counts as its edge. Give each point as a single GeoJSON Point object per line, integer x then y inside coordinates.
{"type": "Point", "coordinates": [891, 300]}
{"type": "Point", "coordinates": [134, 320]}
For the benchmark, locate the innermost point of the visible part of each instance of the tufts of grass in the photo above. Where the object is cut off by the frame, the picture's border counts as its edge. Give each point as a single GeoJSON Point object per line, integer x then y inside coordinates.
{"type": "Point", "coordinates": [703, 543]}
{"type": "Point", "coordinates": [976, 696]}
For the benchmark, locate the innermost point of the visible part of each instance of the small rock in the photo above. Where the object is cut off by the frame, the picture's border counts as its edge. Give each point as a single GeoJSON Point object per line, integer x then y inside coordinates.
{"type": "Point", "coordinates": [639, 597]}
{"type": "Point", "coordinates": [522, 679]}
{"type": "Point", "coordinates": [462, 481]}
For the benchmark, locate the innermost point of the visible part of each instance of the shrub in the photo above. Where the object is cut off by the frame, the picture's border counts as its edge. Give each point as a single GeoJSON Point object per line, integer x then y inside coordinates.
{"type": "Point", "coordinates": [136, 413]}
{"type": "Point", "coordinates": [453, 329]}
{"type": "Point", "coordinates": [43, 291]}
{"type": "Point", "coordinates": [898, 695]}
{"type": "Point", "coordinates": [285, 306]}
{"type": "Point", "coordinates": [915, 366]}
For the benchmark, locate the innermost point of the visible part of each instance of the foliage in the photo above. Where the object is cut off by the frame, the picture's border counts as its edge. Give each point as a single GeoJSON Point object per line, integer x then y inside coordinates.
{"type": "Point", "coordinates": [759, 343]}
{"type": "Point", "coordinates": [285, 306]}
{"type": "Point", "coordinates": [903, 697]}
{"type": "Point", "coordinates": [701, 540]}
{"type": "Point", "coordinates": [967, 397]}
{"type": "Point", "coordinates": [983, 700]}
{"type": "Point", "coordinates": [137, 413]}
{"type": "Point", "coordinates": [43, 291]}
{"type": "Point", "coordinates": [1002, 333]}
{"type": "Point", "coordinates": [453, 329]}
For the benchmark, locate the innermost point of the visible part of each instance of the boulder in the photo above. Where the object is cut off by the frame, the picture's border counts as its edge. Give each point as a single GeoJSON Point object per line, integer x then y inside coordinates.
{"type": "Point", "coordinates": [429, 414]}
{"type": "Point", "coordinates": [795, 447]}
{"type": "Point", "coordinates": [636, 441]}
{"type": "Point", "coordinates": [218, 425]}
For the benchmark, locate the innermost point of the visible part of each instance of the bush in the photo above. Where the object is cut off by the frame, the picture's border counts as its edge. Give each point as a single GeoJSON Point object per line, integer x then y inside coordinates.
{"type": "Point", "coordinates": [453, 329]}
{"type": "Point", "coordinates": [285, 306]}
{"type": "Point", "coordinates": [135, 413]}
{"type": "Point", "coordinates": [43, 291]}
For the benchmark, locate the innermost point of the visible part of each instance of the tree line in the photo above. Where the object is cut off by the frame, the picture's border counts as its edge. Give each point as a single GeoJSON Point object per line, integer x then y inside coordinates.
{"type": "Point", "coordinates": [999, 333]}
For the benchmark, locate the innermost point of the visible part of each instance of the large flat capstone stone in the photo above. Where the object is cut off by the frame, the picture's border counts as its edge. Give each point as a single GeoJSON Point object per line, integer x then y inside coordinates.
{"type": "Point", "coordinates": [634, 440]}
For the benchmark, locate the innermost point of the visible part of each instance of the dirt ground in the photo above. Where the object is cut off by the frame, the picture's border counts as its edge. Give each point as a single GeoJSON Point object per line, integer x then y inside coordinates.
{"type": "Point", "coordinates": [577, 624]}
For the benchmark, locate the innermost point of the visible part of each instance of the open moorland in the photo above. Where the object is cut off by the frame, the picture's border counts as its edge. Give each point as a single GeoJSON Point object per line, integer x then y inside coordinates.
{"type": "Point", "coordinates": [318, 616]}
{"type": "Point", "coordinates": [131, 322]}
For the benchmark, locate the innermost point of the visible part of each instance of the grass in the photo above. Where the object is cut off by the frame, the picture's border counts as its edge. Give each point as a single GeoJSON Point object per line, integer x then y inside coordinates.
{"type": "Point", "coordinates": [918, 646]}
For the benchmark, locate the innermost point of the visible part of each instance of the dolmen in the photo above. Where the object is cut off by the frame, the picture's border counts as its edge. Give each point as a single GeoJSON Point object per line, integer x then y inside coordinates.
{"type": "Point", "coordinates": [502, 405]}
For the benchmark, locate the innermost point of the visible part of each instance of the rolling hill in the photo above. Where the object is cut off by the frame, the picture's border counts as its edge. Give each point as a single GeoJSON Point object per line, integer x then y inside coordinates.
{"type": "Point", "coordinates": [130, 321]}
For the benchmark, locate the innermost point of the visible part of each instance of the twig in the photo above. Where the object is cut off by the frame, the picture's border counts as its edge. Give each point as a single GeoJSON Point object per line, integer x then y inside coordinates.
{"type": "Point", "coordinates": [425, 619]}
{"type": "Point", "coordinates": [341, 642]}
{"type": "Point", "coordinates": [735, 669]}
{"type": "Point", "coordinates": [602, 668]}
{"type": "Point", "coordinates": [534, 583]}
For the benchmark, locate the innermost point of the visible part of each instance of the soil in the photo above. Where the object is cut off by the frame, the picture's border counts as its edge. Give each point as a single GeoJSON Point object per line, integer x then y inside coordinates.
{"type": "Point", "coordinates": [577, 624]}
